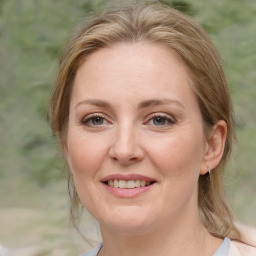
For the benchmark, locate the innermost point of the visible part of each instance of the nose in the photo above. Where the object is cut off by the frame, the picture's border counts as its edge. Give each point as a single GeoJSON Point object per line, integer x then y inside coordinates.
{"type": "Point", "coordinates": [126, 148]}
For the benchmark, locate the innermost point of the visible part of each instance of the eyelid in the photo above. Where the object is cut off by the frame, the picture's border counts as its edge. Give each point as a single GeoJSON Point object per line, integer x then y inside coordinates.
{"type": "Point", "coordinates": [168, 117]}
{"type": "Point", "coordinates": [87, 118]}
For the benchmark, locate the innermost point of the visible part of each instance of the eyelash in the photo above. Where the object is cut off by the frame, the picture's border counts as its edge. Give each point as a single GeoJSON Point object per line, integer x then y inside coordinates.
{"type": "Point", "coordinates": [167, 120]}
{"type": "Point", "coordinates": [85, 121]}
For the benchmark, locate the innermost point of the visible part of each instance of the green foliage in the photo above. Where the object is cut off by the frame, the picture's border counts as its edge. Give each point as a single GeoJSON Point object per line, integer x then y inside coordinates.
{"type": "Point", "coordinates": [182, 6]}
{"type": "Point", "coordinates": [32, 35]}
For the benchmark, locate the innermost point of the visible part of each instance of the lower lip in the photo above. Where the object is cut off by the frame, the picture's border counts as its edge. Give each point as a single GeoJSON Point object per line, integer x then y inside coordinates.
{"type": "Point", "coordinates": [128, 192]}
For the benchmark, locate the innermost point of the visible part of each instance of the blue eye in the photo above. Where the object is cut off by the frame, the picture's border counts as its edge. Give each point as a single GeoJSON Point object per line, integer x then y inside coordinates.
{"type": "Point", "coordinates": [160, 121]}
{"type": "Point", "coordinates": [94, 121]}
{"type": "Point", "coordinates": [97, 120]}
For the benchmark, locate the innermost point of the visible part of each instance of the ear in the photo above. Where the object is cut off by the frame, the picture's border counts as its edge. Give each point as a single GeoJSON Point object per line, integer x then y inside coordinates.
{"type": "Point", "coordinates": [215, 145]}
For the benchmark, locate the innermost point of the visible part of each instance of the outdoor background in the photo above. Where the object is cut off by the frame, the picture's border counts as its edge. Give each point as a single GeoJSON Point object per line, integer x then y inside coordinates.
{"type": "Point", "coordinates": [33, 196]}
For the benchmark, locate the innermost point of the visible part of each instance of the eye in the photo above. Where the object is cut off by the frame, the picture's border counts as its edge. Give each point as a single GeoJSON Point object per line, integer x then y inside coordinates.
{"type": "Point", "coordinates": [160, 120]}
{"type": "Point", "coordinates": [94, 120]}
{"type": "Point", "coordinates": [97, 120]}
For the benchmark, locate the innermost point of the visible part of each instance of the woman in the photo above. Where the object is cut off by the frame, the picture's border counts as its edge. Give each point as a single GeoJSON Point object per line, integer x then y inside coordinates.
{"type": "Point", "coordinates": [144, 117]}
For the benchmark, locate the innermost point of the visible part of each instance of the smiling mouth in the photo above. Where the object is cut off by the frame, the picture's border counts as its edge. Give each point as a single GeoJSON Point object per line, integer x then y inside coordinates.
{"type": "Point", "coordinates": [128, 184]}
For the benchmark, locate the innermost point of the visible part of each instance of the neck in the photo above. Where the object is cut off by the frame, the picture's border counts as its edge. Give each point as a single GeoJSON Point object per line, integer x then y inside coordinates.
{"type": "Point", "coordinates": [169, 239]}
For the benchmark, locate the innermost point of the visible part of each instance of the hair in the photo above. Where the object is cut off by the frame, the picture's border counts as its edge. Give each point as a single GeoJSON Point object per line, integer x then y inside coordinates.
{"type": "Point", "coordinates": [162, 25]}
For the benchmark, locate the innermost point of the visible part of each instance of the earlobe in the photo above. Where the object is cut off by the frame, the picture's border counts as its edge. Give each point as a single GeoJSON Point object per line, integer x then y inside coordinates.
{"type": "Point", "coordinates": [215, 147]}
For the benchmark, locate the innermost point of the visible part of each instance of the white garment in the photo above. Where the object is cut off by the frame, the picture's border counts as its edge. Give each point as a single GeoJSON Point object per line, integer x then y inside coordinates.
{"type": "Point", "coordinates": [94, 251]}
{"type": "Point", "coordinates": [227, 248]}
{"type": "Point", "coordinates": [223, 250]}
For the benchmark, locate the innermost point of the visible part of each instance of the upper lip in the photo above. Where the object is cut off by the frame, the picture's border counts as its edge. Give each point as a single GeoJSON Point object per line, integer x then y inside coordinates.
{"type": "Point", "coordinates": [126, 177]}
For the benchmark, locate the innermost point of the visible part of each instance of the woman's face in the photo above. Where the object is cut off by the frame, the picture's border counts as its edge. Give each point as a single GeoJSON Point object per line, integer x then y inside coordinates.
{"type": "Point", "coordinates": [135, 142]}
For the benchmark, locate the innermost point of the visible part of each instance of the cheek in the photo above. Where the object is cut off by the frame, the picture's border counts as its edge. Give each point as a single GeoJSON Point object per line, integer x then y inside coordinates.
{"type": "Point", "coordinates": [178, 154]}
{"type": "Point", "coordinates": [178, 159]}
{"type": "Point", "coordinates": [85, 154]}
{"type": "Point", "coordinates": [85, 157]}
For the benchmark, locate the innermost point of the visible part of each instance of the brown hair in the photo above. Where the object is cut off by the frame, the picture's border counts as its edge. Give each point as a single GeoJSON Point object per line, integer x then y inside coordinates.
{"type": "Point", "coordinates": [163, 25]}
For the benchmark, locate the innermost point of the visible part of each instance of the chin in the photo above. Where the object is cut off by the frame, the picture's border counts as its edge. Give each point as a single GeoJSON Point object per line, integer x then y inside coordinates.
{"type": "Point", "coordinates": [128, 220]}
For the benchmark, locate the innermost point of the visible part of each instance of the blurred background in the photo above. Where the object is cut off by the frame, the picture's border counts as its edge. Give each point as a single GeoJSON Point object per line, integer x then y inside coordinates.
{"type": "Point", "coordinates": [34, 206]}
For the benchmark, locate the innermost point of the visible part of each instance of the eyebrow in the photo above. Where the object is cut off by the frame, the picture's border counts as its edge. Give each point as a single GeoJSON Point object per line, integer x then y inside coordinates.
{"type": "Point", "coordinates": [141, 105]}
{"type": "Point", "coordinates": [95, 102]}
{"type": "Point", "coordinates": [157, 102]}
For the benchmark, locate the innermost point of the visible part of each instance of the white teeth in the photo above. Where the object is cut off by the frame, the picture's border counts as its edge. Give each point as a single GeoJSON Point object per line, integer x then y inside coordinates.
{"type": "Point", "coordinates": [128, 184]}
{"type": "Point", "coordinates": [137, 183]}
{"type": "Point", "coordinates": [142, 183]}
{"type": "Point", "coordinates": [122, 184]}
{"type": "Point", "coordinates": [116, 183]}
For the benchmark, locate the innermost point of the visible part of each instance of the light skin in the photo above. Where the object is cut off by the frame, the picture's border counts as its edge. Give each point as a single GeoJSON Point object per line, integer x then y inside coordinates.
{"type": "Point", "coordinates": [132, 112]}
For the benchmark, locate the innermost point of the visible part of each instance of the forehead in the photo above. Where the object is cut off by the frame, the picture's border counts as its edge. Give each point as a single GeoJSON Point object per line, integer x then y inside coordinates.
{"type": "Point", "coordinates": [142, 56]}
{"type": "Point", "coordinates": [132, 71]}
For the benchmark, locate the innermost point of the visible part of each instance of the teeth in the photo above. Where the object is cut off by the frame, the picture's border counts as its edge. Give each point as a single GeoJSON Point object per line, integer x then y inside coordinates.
{"type": "Point", "coordinates": [137, 183]}
{"type": "Point", "coordinates": [116, 183]}
{"type": "Point", "coordinates": [128, 184]}
{"type": "Point", "coordinates": [143, 183]}
{"type": "Point", "coordinates": [122, 184]}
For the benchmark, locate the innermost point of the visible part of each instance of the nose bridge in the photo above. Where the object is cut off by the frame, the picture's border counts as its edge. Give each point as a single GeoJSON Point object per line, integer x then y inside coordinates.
{"type": "Point", "coordinates": [126, 147]}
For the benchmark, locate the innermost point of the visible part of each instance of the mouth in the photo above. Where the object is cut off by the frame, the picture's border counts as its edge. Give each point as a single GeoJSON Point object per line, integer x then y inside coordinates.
{"type": "Point", "coordinates": [128, 184]}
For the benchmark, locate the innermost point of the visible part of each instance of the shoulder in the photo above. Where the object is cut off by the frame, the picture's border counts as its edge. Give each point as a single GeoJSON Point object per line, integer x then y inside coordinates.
{"type": "Point", "coordinates": [241, 249]}
{"type": "Point", "coordinates": [247, 246]}
{"type": "Point", "coordinates": [248, 234]}
{"type": "Point", "coordinates": [94, 251]}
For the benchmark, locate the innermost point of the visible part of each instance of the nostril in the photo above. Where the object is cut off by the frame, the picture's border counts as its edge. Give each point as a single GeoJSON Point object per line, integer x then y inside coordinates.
{"type": "Point", "coordinates": [124, 159]}
{"type": "Point", "coordinates": [133, 159]}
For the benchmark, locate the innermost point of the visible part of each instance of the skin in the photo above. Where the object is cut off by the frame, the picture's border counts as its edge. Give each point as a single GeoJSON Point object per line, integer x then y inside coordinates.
{"type": "Point", "coordinates": [117, 126]}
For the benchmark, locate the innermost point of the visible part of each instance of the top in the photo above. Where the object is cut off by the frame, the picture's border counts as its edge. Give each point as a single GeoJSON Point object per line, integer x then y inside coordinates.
{"type": "Point", "coordinates": [94, 251]}
{"type": "Point", "coordinates": [223, 250]}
